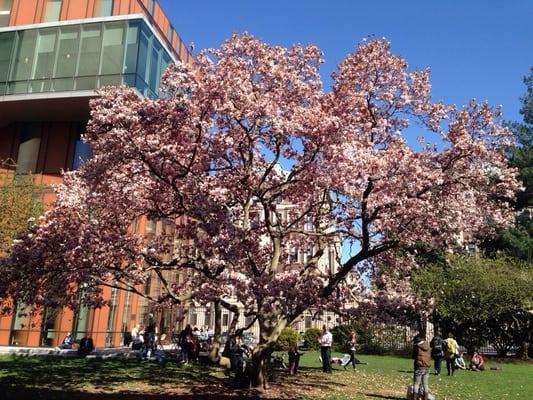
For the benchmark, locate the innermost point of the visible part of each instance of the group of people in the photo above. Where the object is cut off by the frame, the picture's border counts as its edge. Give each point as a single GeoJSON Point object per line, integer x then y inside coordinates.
{"type": "Point", "coordinates": [448, 349]}
{"type": "Point", "coordinates": [438, 349]}
{"type": "Point", "coordinates": [326, 341]}
{"type": "Point", "coordinates": [192, 343]}
{"type": "Point", "coordinates": [85, 347]}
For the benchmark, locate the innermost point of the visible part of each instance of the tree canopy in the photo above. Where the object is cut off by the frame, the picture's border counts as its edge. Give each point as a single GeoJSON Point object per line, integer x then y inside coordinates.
{"type": "Point", "coordinates": [249, 151]}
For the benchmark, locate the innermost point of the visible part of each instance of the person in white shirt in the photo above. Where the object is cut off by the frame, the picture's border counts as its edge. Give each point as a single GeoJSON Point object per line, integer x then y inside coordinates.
{"type": "Point", "coordinates": [326, 339]}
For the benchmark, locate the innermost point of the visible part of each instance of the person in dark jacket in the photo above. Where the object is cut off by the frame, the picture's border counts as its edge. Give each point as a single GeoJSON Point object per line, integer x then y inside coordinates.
{"type": "Point", "coordinates": [422, 363]}
{"type": "Point", "coordinates": [437, 351]}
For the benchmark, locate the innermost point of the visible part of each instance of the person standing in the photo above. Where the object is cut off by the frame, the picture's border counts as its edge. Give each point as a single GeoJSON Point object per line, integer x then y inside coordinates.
{"type": "Point", "coordinates": [326, 339]}
{"type": "Point", "coordinates": [294, 359]}
{"type": "Point", "coordinates": [149, 335]}
{"type": "Point", "coordinates": [422, 363]}
{"type": "Point", "coordinates": [351, 347]}
{"type": "Point", "coordinates": [437, 351]}
{"type": "Point", "coordinates": [450, 352]}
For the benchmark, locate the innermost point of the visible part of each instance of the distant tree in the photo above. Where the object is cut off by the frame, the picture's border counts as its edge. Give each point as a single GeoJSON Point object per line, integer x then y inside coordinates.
{"type": "Point", "coordinates": [481, 299]}
{"type": "Point", "coordinates": [517, 240]}
{"type": "Point", "coordinates": [287, 337]}
{"type": "Point", "coordinates": [20, 203]}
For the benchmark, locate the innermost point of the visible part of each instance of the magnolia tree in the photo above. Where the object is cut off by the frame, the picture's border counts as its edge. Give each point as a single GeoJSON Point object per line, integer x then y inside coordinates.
{"type": "Point", "coordinates": [209, 152]}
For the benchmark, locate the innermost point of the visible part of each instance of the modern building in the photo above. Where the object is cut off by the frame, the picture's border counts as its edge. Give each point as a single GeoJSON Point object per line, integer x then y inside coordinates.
{"type": "Point", "coordinates": [53, 55]}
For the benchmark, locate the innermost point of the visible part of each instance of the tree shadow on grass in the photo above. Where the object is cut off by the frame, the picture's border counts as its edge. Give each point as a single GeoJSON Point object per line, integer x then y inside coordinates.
{"type": "Point", "coordinates": [132, 379]}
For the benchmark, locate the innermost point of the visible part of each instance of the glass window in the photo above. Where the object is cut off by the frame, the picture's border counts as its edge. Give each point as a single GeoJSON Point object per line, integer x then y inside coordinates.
{"type": "Point", "coordinates": [113, 48]}
{"type": "Point", "coordinates": [154, 67]}
{"type": "Point", "coordinates": [28, 153]}
{"type": "Point", "coordinates": [144, 45]}
{"type": "Point", "coordinates": [23, 62]}
{"type": "Point", "coordinates": [91, 42]}
{"type": "Point", "coordinates": [46, 45]}
{"type": "Point", "coordinates": [151, 7]}
{"type": "Point", "coordinates": [82, 152]}
{"type": "Point", "coordinates": [132, 48]}
{"type": "Point", "coordinates": [103, 8]}
{"type": "Point", "coordinates": [170, 32]}
{"type": "Point", "coordinates": [67, 53]}
{"type": "Point", "coordinates": [7, 40]}
{"type": "Point", "coordinates": [5, 11]}
{"type": "Point", "coordinates": [52, 10]}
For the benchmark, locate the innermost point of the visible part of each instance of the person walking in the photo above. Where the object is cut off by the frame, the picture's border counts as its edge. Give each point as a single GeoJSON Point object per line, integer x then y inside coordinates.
{"type": "Point", "coordinates": [422, 363]}
{"type": "Point", "coordinates": [351, 347]}
{"type": "Point", "coordinates": [326, 339]}
{"type": "Point", "coordinates": [437, 351]}
{"type": "Point", "coordinates": [450, 352]}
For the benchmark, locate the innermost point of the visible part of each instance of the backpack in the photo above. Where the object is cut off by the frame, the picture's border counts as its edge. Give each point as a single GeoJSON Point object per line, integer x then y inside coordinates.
{"type": "Point", "coordinates": [437, 343]}
{"type": "Point", "coordinates": [448, 347]}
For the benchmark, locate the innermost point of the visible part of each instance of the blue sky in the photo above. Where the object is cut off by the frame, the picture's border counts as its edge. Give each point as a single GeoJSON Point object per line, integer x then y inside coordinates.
{"type": "Point", "coordinates": [475, 48]}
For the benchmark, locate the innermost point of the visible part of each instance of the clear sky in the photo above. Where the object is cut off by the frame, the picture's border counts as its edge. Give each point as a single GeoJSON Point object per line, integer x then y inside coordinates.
{"type": "Point", "coordinates": [475, 48]}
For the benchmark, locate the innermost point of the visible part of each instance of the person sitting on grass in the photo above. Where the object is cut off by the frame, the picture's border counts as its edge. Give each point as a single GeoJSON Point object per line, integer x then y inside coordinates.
{"type": "Point", "coordinates": [477, 362]}
{"type": "Point", "coordinates": [459, 362]}
{"type": "Point", "coordinates": [67, 342]}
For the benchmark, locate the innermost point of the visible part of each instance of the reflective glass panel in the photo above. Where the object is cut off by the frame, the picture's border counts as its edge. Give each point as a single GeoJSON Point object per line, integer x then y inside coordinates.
{"type": "Point", "coordinates": [91, 42]}
{"type": "Point", "coordinates": [154, 67]}
{"type": "Point", "coordinates": [46, 45]}
{"type": "Point", "coordinates": [7, 40]}
{"type": "Point", "coordinates": [25, 51]}
{"type": "Point", "coordinates": [5, 11]}
{"type": "Point", "coordinates": [113, 48]}
{"type": "Point", "coordinates": [28, 152]}
{"type": "Point", "coordinates": [142, 65]}
{"type": "Point", "coordinates": [132, 48]}
{"type": "Point", "coordinates": [52, 10]}
{"type": "Point", "coordinates": [67, 53]}
{"type": "Point", "coordinates": [103, 8]}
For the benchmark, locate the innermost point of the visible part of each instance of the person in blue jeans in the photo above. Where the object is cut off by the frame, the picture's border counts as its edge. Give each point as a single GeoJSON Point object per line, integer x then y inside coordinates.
{"type": "Point", "coordinates": [437, 351]}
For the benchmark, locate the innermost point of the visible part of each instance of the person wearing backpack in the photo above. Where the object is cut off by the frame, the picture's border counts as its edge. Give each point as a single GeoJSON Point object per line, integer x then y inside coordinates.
{"type": "Point", "coordinates": [450, 352]}
{"type": "Point", "coordinates": [437, 351]}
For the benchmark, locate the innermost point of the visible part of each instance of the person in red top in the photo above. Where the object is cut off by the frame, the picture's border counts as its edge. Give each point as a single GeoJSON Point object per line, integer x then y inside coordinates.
{"type": "Point", "coordinates": [477, 362]}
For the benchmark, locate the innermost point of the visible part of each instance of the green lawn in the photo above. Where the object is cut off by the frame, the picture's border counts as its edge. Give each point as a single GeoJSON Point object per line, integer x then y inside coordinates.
{"type": "Point", "coordinates": [383, 378]}
{"type": "Point", "coordinates": [388, 377]}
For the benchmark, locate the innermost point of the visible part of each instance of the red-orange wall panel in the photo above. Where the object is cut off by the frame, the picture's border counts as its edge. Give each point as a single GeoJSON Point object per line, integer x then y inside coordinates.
{"type": "Point", "coordinates": [25, 11]}
{"type": "Point", "coordinates": [39, 12]}
{"type": "Point", "coordinates": [75, 9]}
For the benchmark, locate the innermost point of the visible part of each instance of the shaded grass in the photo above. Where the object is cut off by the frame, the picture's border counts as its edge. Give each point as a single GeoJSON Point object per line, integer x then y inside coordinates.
{"type": "Point", "coordinates": [384, 377]}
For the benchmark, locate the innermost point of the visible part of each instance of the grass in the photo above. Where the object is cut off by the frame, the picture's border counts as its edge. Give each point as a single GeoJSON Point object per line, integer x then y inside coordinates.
{"type": "Point", "coordinates": [384, 377]}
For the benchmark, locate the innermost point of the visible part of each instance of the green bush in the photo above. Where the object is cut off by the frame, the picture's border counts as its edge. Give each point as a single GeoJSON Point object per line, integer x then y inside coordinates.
{"type": "Point", "coordinates": [311, 337]}
{"type": "Point", "coordinates": [287, 337]}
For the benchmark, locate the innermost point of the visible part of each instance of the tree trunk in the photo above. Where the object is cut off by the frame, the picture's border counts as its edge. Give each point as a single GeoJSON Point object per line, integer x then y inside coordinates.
{"type": "Point", "coordinates": [214, 353]}
{"type": "Point", "coordinates": [260, 366]}
{"type": "Point", "coordinates": [525, 350]}
{"type": "Point", "coordinates": [270, 328]}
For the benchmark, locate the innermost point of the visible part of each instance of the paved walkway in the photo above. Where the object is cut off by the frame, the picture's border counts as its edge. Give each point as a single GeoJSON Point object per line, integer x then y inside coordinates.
{"type": "Point", "coordinates": [104, 352]}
